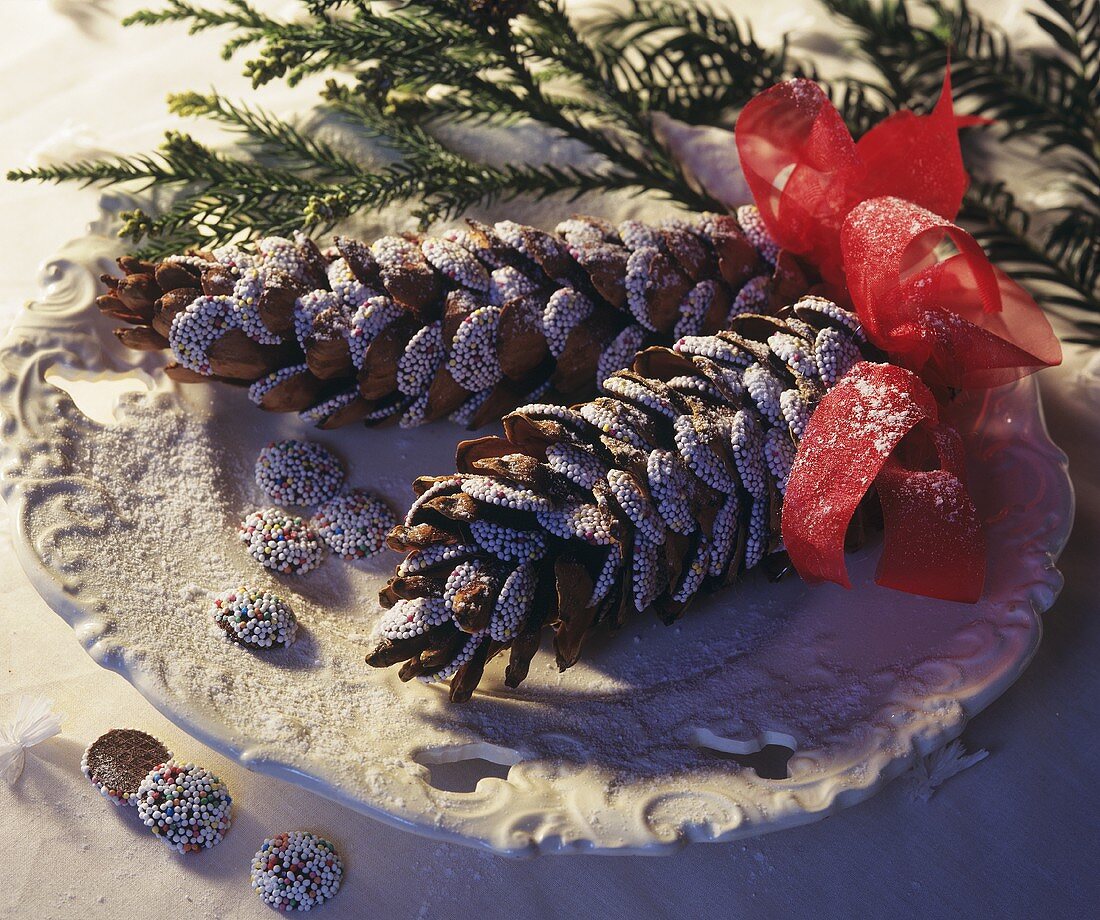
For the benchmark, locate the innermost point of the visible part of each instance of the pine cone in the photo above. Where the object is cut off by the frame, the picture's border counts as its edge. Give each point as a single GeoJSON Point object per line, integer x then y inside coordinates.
{"type": "Point", "coordinates": [471, 324]}
{"type": "Point", "coordinates": [669, 485]}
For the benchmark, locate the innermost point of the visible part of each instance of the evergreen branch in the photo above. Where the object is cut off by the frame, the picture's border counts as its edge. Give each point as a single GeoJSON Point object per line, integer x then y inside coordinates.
{"type": "Point", "coordinates": [280, 140]}
{"type": "Point", "coordinates": [1048, 98]}
{"type": "Point", "coordinates": [1069, 261]}
{"type": "Point", "coordinates": [689, 62]}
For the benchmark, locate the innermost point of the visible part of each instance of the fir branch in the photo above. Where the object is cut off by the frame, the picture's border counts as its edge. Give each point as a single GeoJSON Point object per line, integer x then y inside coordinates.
{"type": "Point", "coordinates": [538, 68]}
{"type": "Point", "coordinates": [1049, 99]}
{"type": "Point", "coordinates": [270, 135]}
{"type": "Point", "coordinates": [1069, 262]}
{"type": "Point", "coordinates": [689, 62]}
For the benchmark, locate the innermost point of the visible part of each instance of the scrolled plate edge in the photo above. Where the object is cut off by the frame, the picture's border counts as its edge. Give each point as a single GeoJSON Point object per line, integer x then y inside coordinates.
{"type": "Point", "coordinates": [549, 820]}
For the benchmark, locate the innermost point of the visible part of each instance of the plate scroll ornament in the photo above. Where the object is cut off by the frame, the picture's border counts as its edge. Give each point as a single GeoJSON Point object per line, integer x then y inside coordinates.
{"type": "Point", "coordinates": [634, 750]}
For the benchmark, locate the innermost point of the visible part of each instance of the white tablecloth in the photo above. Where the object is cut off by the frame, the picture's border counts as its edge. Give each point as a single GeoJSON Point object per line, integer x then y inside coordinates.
{"type": "Point", "coordinates": [1015, 836]}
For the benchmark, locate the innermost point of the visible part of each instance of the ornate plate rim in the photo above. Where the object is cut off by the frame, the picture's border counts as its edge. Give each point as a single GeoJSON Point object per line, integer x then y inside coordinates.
{"type": "Point", "coordinates": [14, 491]}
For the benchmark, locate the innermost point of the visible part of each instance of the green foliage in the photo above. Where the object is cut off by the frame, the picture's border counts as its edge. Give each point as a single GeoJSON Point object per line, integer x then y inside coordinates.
{"type": "Point", "coordinates": [1047, 98]}
{"type": "Point", "coordinates": [687, 61]}
{"type": "Point", "coordinates": [397, 73]}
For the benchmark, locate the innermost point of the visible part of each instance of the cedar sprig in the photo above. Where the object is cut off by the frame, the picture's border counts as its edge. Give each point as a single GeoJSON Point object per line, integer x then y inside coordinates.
{"type": "Point", "coordinates": [386, 67]}
{"type": "Point", "coordinates": [690, 62]}
{"type": "Point", "coordinates": [1048, 98]}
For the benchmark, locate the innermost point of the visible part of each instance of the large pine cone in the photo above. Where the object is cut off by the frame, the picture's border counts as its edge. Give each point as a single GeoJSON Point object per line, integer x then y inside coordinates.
{"type": "Point", "coordinates": [472, 323]}
{"type": "Point", "coordinates": [669, 485]}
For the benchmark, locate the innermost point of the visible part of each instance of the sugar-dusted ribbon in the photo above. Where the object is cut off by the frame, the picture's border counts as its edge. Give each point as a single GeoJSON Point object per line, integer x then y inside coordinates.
{"type": "Point", "coordinates": [873, 216]}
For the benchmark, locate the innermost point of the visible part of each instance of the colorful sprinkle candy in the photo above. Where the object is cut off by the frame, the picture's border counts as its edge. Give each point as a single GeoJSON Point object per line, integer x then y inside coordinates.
{"type": "Point", "coordinates": [260, 619]}
{"type": "Point", "coordinates": [296, 871]}
{"type": "Point", "coordinates": [186, 806]}
{"type": "Point", "coordinates": [298, 473]}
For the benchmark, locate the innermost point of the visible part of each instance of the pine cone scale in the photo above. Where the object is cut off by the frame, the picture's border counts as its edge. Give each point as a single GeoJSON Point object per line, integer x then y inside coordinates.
{"type": "Point", "coordinates": [524, 313]}
{"type": "Point", "coordinates": [668, 486]}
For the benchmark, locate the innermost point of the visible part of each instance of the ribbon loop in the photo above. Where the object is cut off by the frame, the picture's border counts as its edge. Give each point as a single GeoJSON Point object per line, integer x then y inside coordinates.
{"type": "Point", "coordinates": [873, 216]}
{"type": "Point", "coordinates": [959, 323]}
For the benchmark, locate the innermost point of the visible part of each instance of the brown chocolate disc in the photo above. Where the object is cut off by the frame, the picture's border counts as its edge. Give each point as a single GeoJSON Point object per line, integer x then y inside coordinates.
{"type": "Point", "coordinates": [118, 761]}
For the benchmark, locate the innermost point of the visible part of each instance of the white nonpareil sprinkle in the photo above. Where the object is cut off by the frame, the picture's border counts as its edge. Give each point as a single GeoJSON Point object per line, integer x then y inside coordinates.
{"type": "Point", "coordinates": [694, 572]}
{"type": "Point", "coordinates": [709, 346]}
{"type": "Point", "coordinates": [617, 420]}
{"type": "Point", "coordinates": [699, 386]}
{"type": "Point", "coordinates": [421, 359]}
{"type": "Point", "coordinates": [752, 225]}
{"type": "Point", "coordinates": [504, 494]}
{"type": "Point", "coordinates": [507, 283]}
{"type": "Point", "coordinates": [286, 256]}
{"type": "Point", "coordinates": [474, 363]}
{"type": "Point", "coordinates": [354, 525]}
{"type": "Point", "coordinates": [464, 414]}
{"type": "Point", "coordinates": [747, 447]}
{"type": "Point", "coordinates": [795, 352]}
{"type": "Point", "coordinates": [728, 380]}
{"type": "Point", "coordinates": [580, 231]}
{"type": "Point", "coordinates": [636, 505]}
{"type": "Point", "coordinates": [246, 295]}
{"type": "Point", "coordinates": [281, 542]}
{"type": "Point", "coordinates": [835, 354]}
{"type": "Point", "coordinates": [507, 543]}
{"type": "Point", "coordinates": [344, 284]}
{"type": "Point", "coordinates": [563, 414]}
{"type": "Point", "coordinates": [578, 521]}
{"type": "Point", "coordinates": [513, 603]}
{"type": "Point", "coordinates": [779, 453]}
{"type": "Point", "coordinates": [465, 654]}
{"type": "Point", "coordinates": [565, 310]}
{"type": "Point", "coordinates": [306, 310]}
{"type": "Point", "coordinates": [641, 283]}
{"type": "Point", "coordinates": [186, 806]}
{"type": "Point", "coordinates": [670, 484]}
{"type": "Point", "coordinates": [296, 871]}
{"type": "Point", "coordinates": [367, 323]}
{"type": "Point", "coordinates": [765, 389]}
{"type": "Point", "coordinates": [635, 234]}
{"type": "Point", "coordinates": [756, 544]}
{"type": "Point", "coordinates": [620, 352]}
{"type": "Point", "coordinates": [456, 263]}
{"type": "Point", "coordinates": [693, 442]}
{"type": "Point", "coordinates": [694, 308]}
{"type": "Point", "coordinates": [752, 298]}
{"type": "Point", "coordinates": [198, 326]}
{"type": "Point", "coordinates": [409, 618]}
{"type": "Point", "coordinates": [320, 413]}
{"type": "Point", "coordinates": [415, 413]}
{"type": "Point", "coordinates": [421, 560]}
{"type": "Point", "coordinates": [265, 385]}
{"type": "Point", "coordinates": [796, 411]}
{"type": "Point", "coordinates": [298, 472]}
{"type": "Point", "coordinates": [443, 487]}
{"type": "Point", "coordinates": [575, 464]}
{"type": "Point", "coordinates": [723, 535]}
{"type": "Point", "coordinates": [639, 395]}
{"type": "Point", "coordinates": [260, 619]}
{"type": "Point", "coordinates": [645, 572]}
{"type": "Point", "coordinates": [394, 252]}
{"type": "Point", "coordinates": [829, 309]}
{"type": "Point", "coordinates": [610, 572]}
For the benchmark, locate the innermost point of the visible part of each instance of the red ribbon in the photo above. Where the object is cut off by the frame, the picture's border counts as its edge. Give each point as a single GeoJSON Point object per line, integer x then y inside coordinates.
{"type": "Point", "coordinates": [872, 216]}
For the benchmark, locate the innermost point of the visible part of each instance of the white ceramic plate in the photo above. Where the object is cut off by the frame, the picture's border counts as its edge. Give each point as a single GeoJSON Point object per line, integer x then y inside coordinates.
{"type": "Point", "coordinates": [630, 751]}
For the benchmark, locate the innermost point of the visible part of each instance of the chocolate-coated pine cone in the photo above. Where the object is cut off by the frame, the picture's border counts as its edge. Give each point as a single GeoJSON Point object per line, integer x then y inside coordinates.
{"type": "Point", "coordinates": [469, 324]}
{"type": "Point", "coordinates": [667, 486]}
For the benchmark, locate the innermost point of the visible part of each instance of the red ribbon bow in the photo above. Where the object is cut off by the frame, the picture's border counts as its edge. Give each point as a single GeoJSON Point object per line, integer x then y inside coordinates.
{"type": "Point", "coordinates": [871, 216]}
